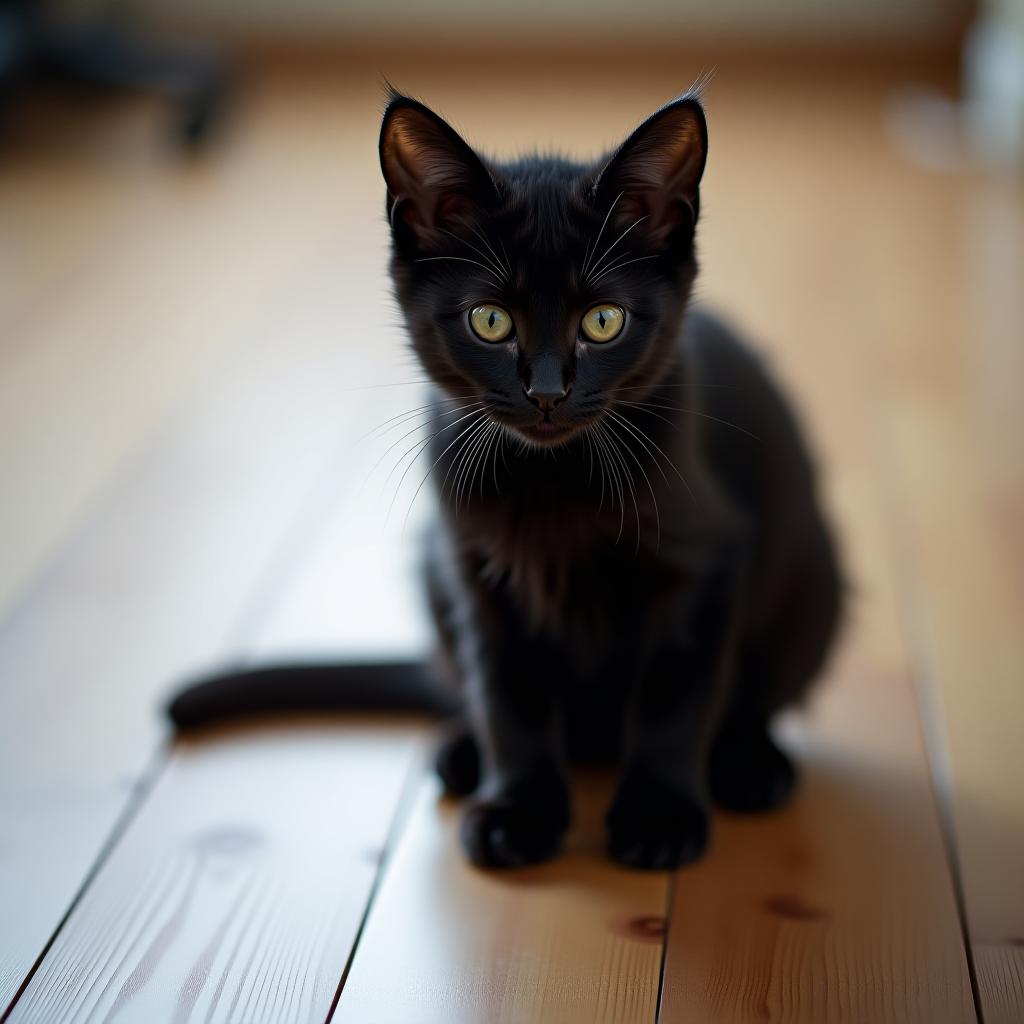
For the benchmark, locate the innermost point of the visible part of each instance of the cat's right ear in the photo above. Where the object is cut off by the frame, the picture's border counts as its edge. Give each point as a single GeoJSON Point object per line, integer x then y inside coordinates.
{"type": "Point", "coordinates": [436, 183]}
{"type": "Point", "coordinates": [652, 180]}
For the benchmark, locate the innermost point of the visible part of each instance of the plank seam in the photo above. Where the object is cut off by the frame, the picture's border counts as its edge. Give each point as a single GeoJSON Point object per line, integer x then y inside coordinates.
{"type": "Point", "coordinates": [403, 812]}
{"type": "Point", "coordinates": [140, 793]}
{"type": "Point", "coordinates": [670, 892]}
{"type": "Point", "coordinates": [937, 758]}
{"type": "Point", "coordinates": [927, 695]}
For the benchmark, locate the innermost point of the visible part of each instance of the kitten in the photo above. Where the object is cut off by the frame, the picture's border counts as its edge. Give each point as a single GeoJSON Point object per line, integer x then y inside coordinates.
{"type": "Point", "coordinates": [630, 561]}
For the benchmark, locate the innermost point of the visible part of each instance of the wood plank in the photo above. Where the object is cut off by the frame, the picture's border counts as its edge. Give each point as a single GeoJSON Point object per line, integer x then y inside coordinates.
{"type": "Point", "coordinates": [238, 889]}
{"type": "Point", "coordinates": [179, 580]}
{"type": "Point", "coordinates": [170, 574]}
{"type": "Point", "coordinates": [866, 820]}
{"type": "Point", "coordinates": [842, 907]}
{"type": "Point", "coordinates": [132, 273]}
{"type": "Point", "coordinates": [954, 418]}
{"type": "Point", "coordinates": [576, 940]}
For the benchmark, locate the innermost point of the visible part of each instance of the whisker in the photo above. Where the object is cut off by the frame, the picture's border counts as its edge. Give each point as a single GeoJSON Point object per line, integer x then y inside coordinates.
{"type": "Point", "coordinates": [620, 265]}
{"type": "Point", "coordinates": [725, 423]}
{"type": "Point", "coordinates": [692, 412]}
{"type": "Point", "coordinates": [592, 429]}
{"type": "Point", "coordinates": [467, 458]}
{"type": "Point", "coordinates": [481, 462]}
{"type": "Point", "coordinates": [462, 259]}
{"type": "Point", "coordinates": [508, 262]}
{"type": "Point", "coordinates": [616, 444]}
{"type": "Point", "coordinates": [477, 413]}
{"type": "Point", "coordinates": [654, 497]}
{"type": "Point", "coordinates": [458, 461]}
{"type": "Point", "coordinates": [393, 384]}
{"type": "Point", "coordinates": [590, 441]}
{"type": "Point", "coordinates": [409, 433]}
{"type": "Point", "coordinates": [599, 263]}
{"type": "Point", "coordinates": [642, 408]}
{"type": "Point", "coordinates": [504, 266]}
{"type": "Point", "coordinates": [613, 473]}
{"type": "Point", "coordinates": [416, 449]}
{"type": "Point", "coordinates": [472, 460]}
{"type": "Point", "coordinates": [486, 456]}
{"type": "Point", "coordinates": [659, 387]}
{"type": "Point", "coordinates": [640, 436]}
{"type": "Point", "coordinates": [495, 266]}
{"type": "Point", "coordinates": [404, 416]}
{"type": "Point", "coordinates": [597, 241]}
{"type": "Point", "coordinates": [659, 449]}
{"type": "Point", "coordinates": [498, 447]}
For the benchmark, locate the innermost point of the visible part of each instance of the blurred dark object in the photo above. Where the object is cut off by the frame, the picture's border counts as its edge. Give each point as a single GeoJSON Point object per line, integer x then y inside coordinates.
{"type": "Point", "coordinates": [37, 43]}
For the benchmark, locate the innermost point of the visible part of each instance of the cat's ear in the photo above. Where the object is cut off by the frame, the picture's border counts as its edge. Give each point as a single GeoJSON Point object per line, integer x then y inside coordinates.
{"type": "Point", "coordinates": [653, 178]}
{"type": "Point", "coordinates": [436, 183]}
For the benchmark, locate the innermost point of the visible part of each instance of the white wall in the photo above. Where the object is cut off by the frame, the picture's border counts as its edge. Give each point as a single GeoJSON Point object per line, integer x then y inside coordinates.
{"type": "Point", "coordinates": [770, 20]}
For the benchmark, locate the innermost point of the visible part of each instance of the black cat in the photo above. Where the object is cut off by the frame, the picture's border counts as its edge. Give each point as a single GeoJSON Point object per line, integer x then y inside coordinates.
{"type": "Point", "coordinates": [630, 561]}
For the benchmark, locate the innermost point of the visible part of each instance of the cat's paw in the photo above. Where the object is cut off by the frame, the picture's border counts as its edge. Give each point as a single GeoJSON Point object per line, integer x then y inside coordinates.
{"type": "Point", "coordinates": [507, 833]}
{"type": "Point", "coordinates": [748, 772]}
{"type": "Point", "coordinates": [654, 826]}
{"type": "Point", "coordinates": [457, 763]}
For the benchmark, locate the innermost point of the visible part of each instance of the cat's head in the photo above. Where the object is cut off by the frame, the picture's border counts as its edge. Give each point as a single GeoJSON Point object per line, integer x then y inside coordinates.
{"type": "Point", "coordinates": [545, 289]}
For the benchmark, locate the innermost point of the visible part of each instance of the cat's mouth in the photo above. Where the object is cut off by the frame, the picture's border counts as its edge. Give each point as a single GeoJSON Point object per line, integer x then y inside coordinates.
{"type": "Point", "coordinates": [546, 432]}
{"type": "Point", "coordinates": [546, 427]}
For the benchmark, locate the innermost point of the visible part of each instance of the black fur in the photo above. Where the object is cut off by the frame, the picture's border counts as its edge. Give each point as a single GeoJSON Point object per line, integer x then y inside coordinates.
{"type": "Point", "coordinates": [630, 561]}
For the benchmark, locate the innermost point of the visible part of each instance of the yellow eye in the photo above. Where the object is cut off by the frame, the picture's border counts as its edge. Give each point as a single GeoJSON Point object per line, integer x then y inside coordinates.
{"type": "Point", "coordinates": [603, 323]}
{"type": "Point", "coordinates": [491, 323]}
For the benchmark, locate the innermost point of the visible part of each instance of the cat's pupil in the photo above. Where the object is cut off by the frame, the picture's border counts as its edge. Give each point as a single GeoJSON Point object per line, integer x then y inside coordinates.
{"type": "Point", "coordinates": [600, 319]}
{"type": "Point", "coordinates": [491, 319]}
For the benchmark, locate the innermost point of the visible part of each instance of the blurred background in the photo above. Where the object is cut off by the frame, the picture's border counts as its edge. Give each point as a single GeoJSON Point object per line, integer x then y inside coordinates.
{"type": "Point", "coordinates": [207, 412]}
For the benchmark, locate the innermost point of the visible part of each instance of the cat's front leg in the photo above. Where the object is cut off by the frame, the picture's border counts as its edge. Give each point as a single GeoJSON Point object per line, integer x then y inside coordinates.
{"type": "Point", "coordinates": [659, 817]}
{"type": "Point", "coordinates": [520, 811]}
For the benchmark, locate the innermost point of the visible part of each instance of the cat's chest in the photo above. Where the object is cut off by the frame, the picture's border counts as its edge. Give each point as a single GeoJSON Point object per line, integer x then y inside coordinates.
{"type": "Point", "coordinates": [571, 573]}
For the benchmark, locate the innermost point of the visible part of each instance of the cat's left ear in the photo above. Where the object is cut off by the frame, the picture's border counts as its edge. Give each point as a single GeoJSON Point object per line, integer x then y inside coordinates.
{"type": "Point", "coordinates": [436, 183]}
{"type": "Point", "coordinates": [655, 174]}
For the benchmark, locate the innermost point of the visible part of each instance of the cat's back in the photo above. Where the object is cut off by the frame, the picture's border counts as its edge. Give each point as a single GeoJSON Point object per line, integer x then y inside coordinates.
{"type": "Point", "coordinates": [748, 426]}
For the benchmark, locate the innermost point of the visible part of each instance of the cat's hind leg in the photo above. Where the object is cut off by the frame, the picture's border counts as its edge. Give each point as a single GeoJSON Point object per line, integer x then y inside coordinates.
{"type": "Point", "coordinates": [748, 771]}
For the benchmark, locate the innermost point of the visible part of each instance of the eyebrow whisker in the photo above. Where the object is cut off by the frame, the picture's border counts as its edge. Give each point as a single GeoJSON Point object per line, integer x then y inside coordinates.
{"type": "Point", "coordinates": [604, 255]}
{"type": "Point", "coordinates": [620, 265]}
{"type": "Point", "coordinates": [597, 241]}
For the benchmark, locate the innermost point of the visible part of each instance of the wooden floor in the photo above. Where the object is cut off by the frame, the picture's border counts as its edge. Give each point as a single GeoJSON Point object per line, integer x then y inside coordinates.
{"type": "Point", "coordinates": [191, 355]}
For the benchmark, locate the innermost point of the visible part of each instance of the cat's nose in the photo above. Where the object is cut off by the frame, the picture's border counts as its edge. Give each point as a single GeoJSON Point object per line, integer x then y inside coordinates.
{"type": "Point", "coordinates": [547, 385]}
{"type": "Point", "coordinates": [546, 400]}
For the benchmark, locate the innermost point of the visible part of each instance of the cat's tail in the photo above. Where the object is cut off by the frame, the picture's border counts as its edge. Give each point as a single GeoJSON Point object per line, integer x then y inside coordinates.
{"type": "Point", "coordinates": [394, 686]}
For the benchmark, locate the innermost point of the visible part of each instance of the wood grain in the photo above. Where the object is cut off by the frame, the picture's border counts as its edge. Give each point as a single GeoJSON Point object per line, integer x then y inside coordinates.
{"type": "Point", "coordinates": [1000, 972]}
{"type": "Point", "coordinates": [236, 892]}
{"type": "Point", "coordinates": [173, 570]}
{"type": "Point", "coordinates": [136, 274]}
{"type": "Point", "coordinates": [955, 419]}
{"type": "Point", "coordinates": [576, 941]}
{"type": "Point", "coordinates": [841, 908]}
{"type": "Point", "coordinates": [191, 522]}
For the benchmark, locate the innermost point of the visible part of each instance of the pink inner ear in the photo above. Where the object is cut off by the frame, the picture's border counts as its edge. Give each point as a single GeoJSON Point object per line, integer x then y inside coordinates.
{"type": "Point", "coordinates": [659, 175]}
{"type": "Point", "coordinates": [429, 217]}
{"type": "Point", "coordinates": [431, 181]}
{"type": "Point", "coordinates": [454, 209]}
